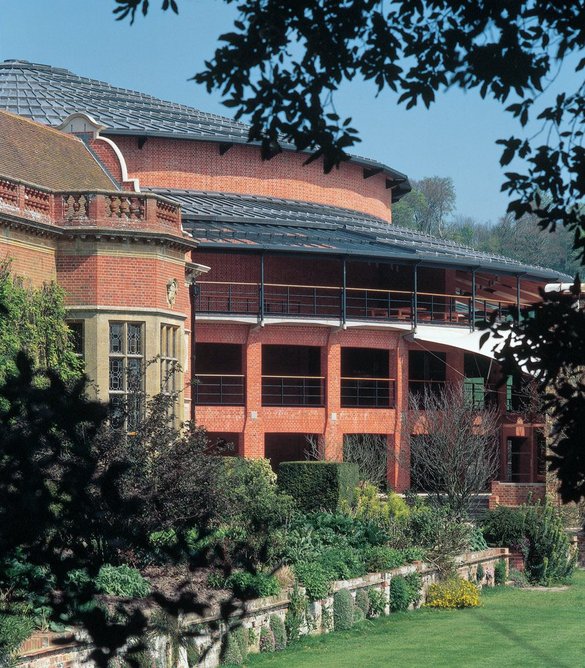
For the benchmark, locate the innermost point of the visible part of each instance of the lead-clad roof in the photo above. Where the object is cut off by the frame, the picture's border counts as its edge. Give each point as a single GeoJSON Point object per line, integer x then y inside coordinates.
{"type": "Point", "coordinates": [50, 94]}
{"type": "Point", "coordinates": [247, 222]}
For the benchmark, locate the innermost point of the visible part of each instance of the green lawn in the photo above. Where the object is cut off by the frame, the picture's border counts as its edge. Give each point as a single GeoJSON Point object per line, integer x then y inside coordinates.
{"type": "Point", "coordinates": [513, 628]}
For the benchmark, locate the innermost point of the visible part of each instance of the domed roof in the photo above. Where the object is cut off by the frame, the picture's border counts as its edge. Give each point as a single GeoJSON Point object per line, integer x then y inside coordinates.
{"type": "Point", "coordinates": [49, 95]}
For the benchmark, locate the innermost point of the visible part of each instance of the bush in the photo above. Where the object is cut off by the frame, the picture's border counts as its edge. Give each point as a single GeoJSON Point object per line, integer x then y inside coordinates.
{"type": "Point", "coordinates": [538, 532]}
{"type": "Point", "coordinates": [14, 630]}
{"type": "Point", "coordinates": [319, 485]}
{"type": "Point", "coordinates": [121, 581]}
{"type": "Point", "coordinates": [315, 580]}
{"type": "Point", "coordinates": [399, 594]}
{"type": "Point", "coordinates": [342, 610]}
{"type": "Point", "coordinates": [362, 601]}
{"type": "Point", "coordinates": [500, 572]}
{"type": "Point", "coordinates": [295, 615]}
{"type": "Point", "coordinates": [454, 593]}
{"type": "Point", "coordinates": [267, 643]}
{"type": "Point", "coordinates": [342, 563]}
{"type": "Point", "coordinates": [480, 573]}
{"type": "Point", "coordinates": [377, 602]}
{"type": "Point", "coordinates": [231, 654]}
{"type": "Point", "coordinates": [358, 615]}
{"type": "Point", "coordinates": [370, 505]}
{"type": "Point", "coordinates": [279, 631]}
{"type": "Point", "coordinates": [504, 527]}
{"type": "Point", "coordinates": [518, 578]}
{"type": "Point", "coordinates": [242, 637]}
{"type": "Point", "coordinates": [477, 541]}
{"type": "Point", "coordinates": [252, 585]}
{"type": "Point", "coordinates": [414, 583]}
{"type": "Point", "coordinates": [381, 558]}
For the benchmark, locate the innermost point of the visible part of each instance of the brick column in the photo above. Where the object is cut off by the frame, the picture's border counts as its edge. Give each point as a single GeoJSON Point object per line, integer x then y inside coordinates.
{"type": "Point", "coordinates": [399, 455]}
{"type": "Point", "coordinates": [253, 438]}
{"type": "Point", "coordinates": [331, 369]}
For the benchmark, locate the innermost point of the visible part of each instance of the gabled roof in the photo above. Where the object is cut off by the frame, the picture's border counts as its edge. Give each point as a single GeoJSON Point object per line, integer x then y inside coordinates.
{"type": "Point", "coordinates": [50, 94]}
{"type": "Point", "coordinates": [247, 222]}
{"type": "Point", "coordinates": [45, 157]}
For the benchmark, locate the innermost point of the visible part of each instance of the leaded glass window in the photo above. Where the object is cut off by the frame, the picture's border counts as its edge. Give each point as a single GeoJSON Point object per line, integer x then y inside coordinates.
{"type": "Point", "coordinates": [126, 373]}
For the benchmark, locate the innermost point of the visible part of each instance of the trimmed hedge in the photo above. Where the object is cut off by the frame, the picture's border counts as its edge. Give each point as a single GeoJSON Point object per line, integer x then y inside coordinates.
{"type": "Point", "coordinates": [343, 610]}
{"type": "Point", "coordinates": [319, 485]}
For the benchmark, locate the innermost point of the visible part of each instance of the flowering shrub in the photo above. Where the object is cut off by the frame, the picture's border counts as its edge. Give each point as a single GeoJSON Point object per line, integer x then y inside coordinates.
{"type": "Point", "coordinates": [454, 593]}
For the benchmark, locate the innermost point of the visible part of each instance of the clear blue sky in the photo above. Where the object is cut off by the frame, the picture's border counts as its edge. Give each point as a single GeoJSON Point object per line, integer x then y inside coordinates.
{"type": "Point", "coordinates": [455, 138]}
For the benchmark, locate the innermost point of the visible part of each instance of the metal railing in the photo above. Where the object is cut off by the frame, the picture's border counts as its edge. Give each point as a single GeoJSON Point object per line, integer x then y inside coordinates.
{"type": "Point", "coordinates": [333, 302]}
{"type": "Point", "coordinates": [293, 391]}
{"type": "Point", "coordinates": [368, 392]}
{"type": "Point", "coordinates": [212, 389]}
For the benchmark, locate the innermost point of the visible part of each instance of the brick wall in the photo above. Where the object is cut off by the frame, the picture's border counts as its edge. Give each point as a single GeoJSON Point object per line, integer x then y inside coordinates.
{"type": "Point", "coordinates": [31, 256]}
{"type": "Point", "coordinates": [173, 163]}
{"type": "Point", "coordinates": [515, 493]}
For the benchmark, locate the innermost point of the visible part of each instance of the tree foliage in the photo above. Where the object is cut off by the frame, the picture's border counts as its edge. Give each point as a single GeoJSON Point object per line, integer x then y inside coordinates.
{"type": "Point", "coordinates": [427, 206]}
{"type": "Point", "coordinates": [34, 321]}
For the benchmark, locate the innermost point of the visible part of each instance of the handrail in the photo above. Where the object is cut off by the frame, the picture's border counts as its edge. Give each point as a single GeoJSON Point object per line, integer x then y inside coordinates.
{"type": "Point", "coordinates": [304, 377]}
{"type": "Point", "coordinates": [365, 378]}
{"type": "Point", "coordinates": [468, 298]}
{"type": "Point", "coordinates": [219, 375]}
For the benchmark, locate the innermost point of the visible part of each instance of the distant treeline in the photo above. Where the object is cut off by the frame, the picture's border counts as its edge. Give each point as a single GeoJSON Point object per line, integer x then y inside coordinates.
{"type": "Point", "coordinates": [429, 207]}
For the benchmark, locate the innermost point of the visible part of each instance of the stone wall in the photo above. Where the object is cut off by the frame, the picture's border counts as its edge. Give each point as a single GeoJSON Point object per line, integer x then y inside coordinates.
{"type": "Point", "coordinates": [43, 650]}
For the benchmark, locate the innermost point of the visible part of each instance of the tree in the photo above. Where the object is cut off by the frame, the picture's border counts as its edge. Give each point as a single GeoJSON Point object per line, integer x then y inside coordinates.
{"type": "Point", "coordinates": [282, 63]}
{"type": "Point", "coordinates": [453, 446]}
{"type": "Point", "coordinates": [34, 321]}
{"type": "Point", "coordinates": [427, 206]}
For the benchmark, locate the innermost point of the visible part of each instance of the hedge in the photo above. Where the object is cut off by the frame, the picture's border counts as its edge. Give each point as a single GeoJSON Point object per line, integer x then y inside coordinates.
{"type": "Point", "coordinates": [319, 485]}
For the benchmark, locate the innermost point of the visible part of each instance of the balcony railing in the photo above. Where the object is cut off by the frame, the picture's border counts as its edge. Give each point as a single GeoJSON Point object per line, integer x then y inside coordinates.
{"type": "Point", "coordinates": [293, 391]}
{"type": "Point", "coordinates": [368, 392]}
{"type": "Point", "coordinates": [212, 389]}
{"type": "Point", "coordinates": [318, 301]}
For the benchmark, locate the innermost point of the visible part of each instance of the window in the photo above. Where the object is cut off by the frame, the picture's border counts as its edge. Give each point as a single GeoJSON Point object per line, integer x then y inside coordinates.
{"type": "Point", "coordinates": [126, 373]}
{"type": "Point", "coordinates": [169, 358]}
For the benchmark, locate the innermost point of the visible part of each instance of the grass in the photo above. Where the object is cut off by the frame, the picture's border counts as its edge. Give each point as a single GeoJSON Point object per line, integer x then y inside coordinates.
{"type": "Point", "coordinates": [513, 627]}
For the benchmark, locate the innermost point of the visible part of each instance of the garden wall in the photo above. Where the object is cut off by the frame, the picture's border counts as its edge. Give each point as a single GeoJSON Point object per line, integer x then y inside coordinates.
{"type": "Point", "coordinates": [42, 650]}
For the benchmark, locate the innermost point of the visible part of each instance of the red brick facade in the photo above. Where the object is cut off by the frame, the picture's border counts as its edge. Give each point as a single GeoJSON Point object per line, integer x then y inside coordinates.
{"type": "Point", "coordinates": [196, 165]}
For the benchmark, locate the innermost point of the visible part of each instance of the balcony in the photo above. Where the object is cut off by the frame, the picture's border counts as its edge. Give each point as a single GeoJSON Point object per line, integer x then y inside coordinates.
{"type": "Point", "coordinates": [219, 390]}
{"type": "Point", "coordinates": [293, 391]}
{"type": "Point", "coordinates": [368, 392]}
{"type": "Point", "coordinates": [335, 302]}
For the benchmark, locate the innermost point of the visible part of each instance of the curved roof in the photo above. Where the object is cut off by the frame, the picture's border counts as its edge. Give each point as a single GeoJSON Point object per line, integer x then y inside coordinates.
{"type": "Point", "coordinates": [49, 95]}
{"type": "Point", "coordinates": [249, 222]}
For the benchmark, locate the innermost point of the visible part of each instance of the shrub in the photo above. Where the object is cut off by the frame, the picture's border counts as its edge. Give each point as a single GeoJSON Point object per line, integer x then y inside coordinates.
{"type": "Point", "coordinates": [253, 585]}
{"type": "Point", "coordinates": [518, 578]}
{"type": "Point", "coordinates": [381, 558]}
{"type": "Point", "coordinates": [372, 506]}
{"type": "Point", "coordinates": [480, 573]}
{"type": "Point", "coordinates": [358, 614]}
{"type": "Point", "coordinates": [414, 554]}
{"type": "Point", "coordinates": [342, 610]}
{"type": "Point", "coordinates": [267, 643]}
{"type": "Point", "coordinates": [362, 601]}
{"type": "Point", "coordinates": [414, 583]}
{"type": "Point", "coordinates": [14, 630]}
{"type": "Point", "coordinates": [121, 581]}
{"type": "Point", "coordinates": [279, 631]}
{"type": "Point", "coordinates": [342, 563]}
{"type": "Point", "coordinates": [477, 541]}
{"type": "Point", "coordinates": [295, 615]}
{"type": "Point", "coordinates": [242, 637]}
{"type": "Point", "coordinates": [319, 485]}
{"type": "Point", "coordinates": [500, 572]}
{"type": "Point", "coordinates": [454, 593]}
{"type": "Point", "coordinates": [315, 580]}
{"type": "Point", "coordinates": [400, 594]}
{"type": "Point", "coordinates": [231, 654]}
{"type": "Point", "coordinates": [504, 527]}
{"type": "Point", "coordinates": [538, 532]}
{"type": "Point", "coordinates": [377, 601]}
